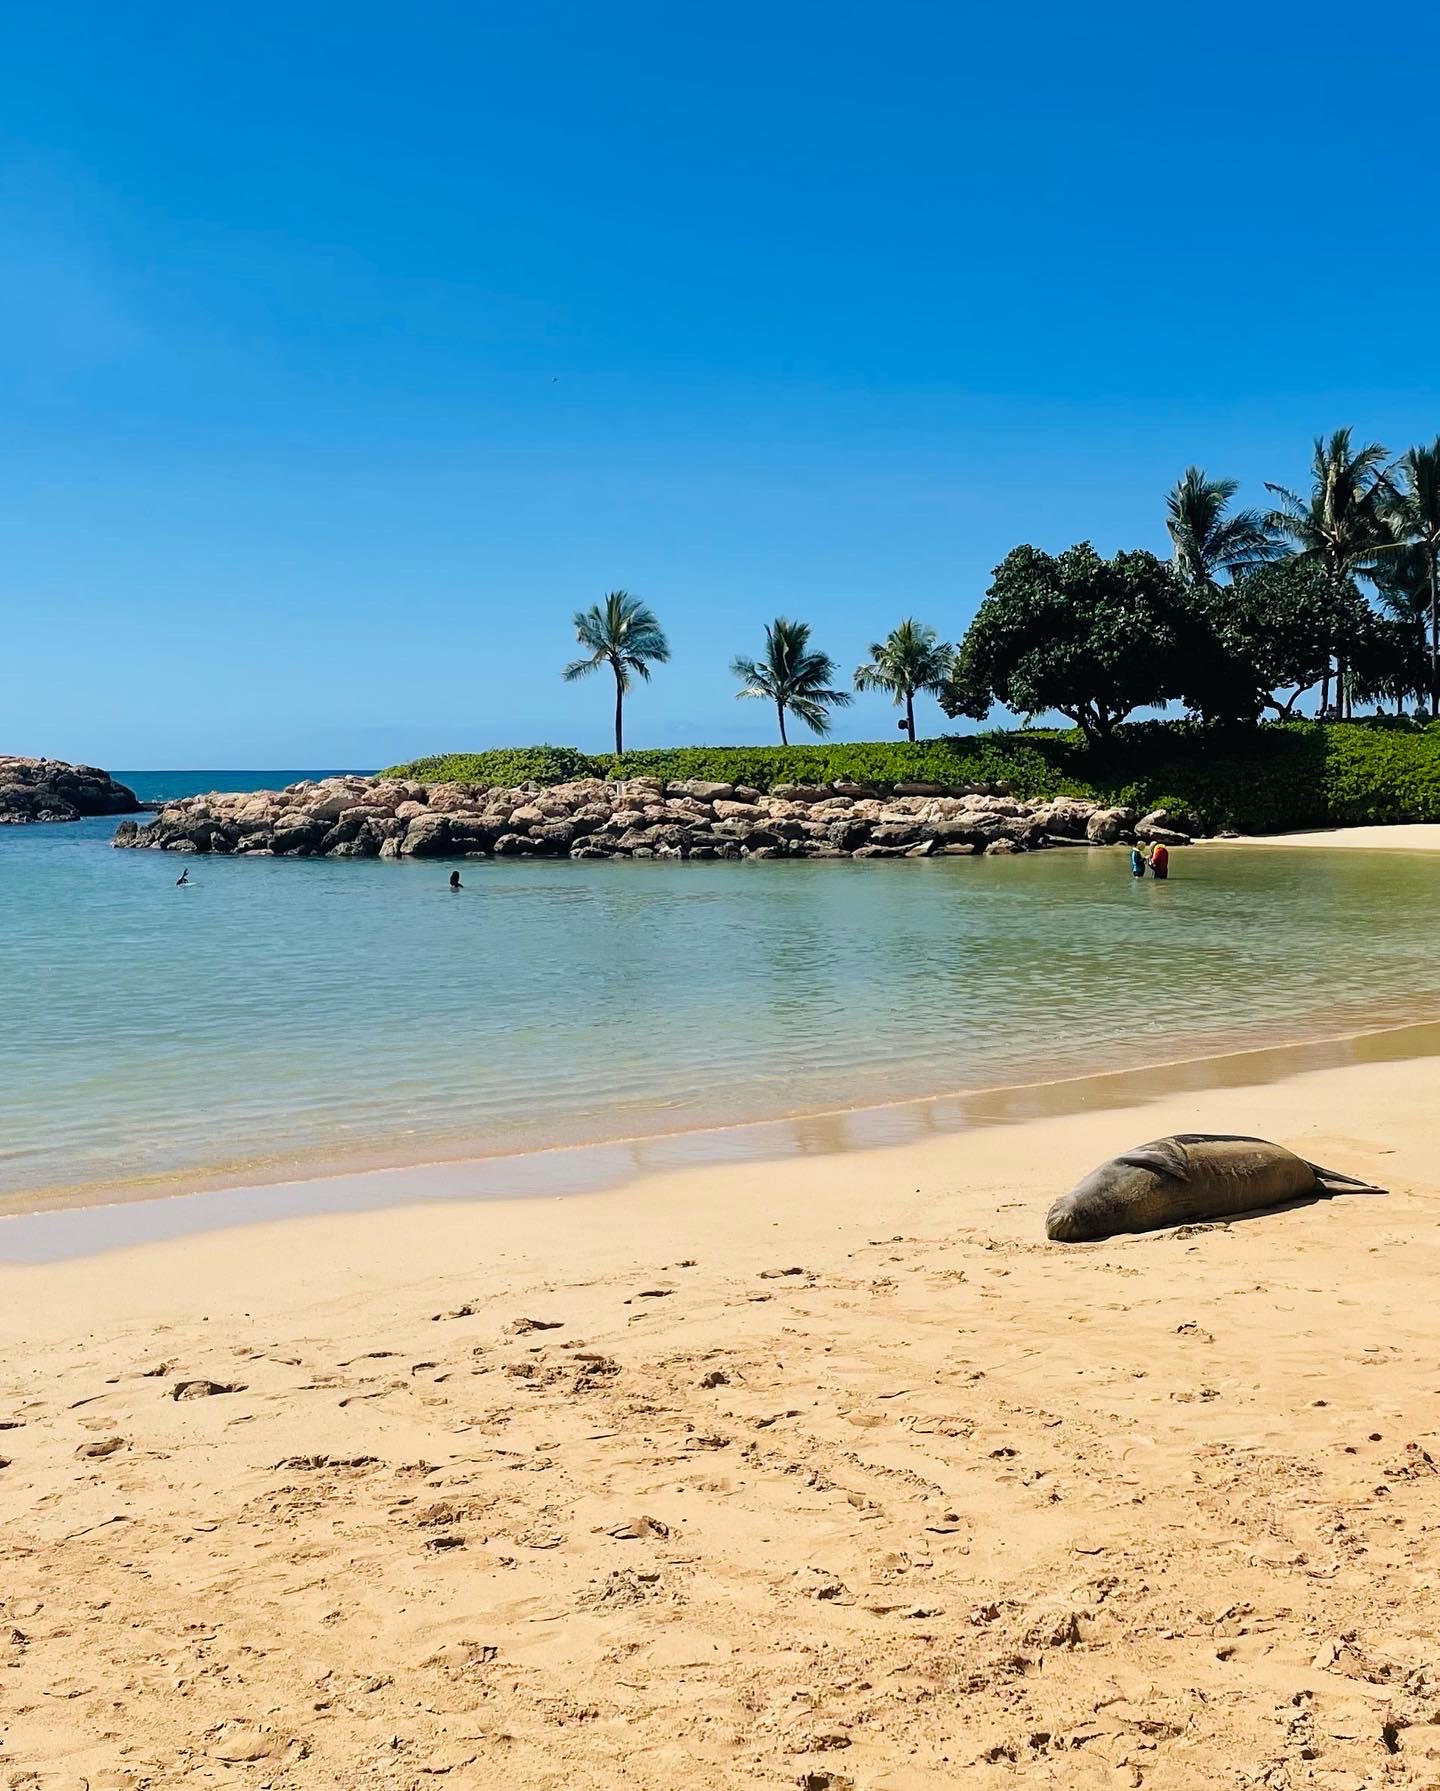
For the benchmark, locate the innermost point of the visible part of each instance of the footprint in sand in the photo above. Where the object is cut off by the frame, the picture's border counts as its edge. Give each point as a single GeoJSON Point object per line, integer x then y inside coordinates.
{"type": "Point", "coordinates": [99, 1448]}
{"type": "Point", "coordinates": [310, 1463]}
{"type": "Point", "coordinates": [203, 1389]}
{"type": "Point", "coordinates": [639, 1529]}
{"type": "Point", "coordinates": [248, 1746]}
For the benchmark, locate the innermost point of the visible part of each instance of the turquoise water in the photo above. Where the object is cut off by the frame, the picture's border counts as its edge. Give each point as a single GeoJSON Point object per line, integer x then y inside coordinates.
{"type": "Point", "coordinates": [282, 1016]}
{"type": "Point", "coordinates": [170, 786]}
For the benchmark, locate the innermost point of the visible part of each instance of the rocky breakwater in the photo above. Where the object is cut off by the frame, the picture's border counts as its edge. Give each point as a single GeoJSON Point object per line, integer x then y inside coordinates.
{"type": "Point", "coordinates": [360, 817]}
{"type": "Point", "coordinates": [51, 790]}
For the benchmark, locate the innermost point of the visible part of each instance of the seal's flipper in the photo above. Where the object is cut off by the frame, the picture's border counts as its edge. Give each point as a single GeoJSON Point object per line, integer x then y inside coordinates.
{"type": "Point", "coordinates": [1164, 1156]}
{"type": "Point", "coordinates": [1334, 1181]}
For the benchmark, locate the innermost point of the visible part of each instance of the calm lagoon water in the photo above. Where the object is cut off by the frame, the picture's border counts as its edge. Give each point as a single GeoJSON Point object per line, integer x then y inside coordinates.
{"type": "Point", "coordinates": [284, 1017]}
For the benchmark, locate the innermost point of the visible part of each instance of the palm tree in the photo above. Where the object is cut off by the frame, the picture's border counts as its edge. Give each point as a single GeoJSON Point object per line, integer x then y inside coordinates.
{"type": "Point", "coordinates": [1412, 509]}
{"type": "Point", "coordinates": [912, 658]}
{"type": "Point", "coordinates": [1207, 541]}
{"type": "Point", "coordinates": [1403, 583]}
{"type": "Point", "coordinates": [624, 635]}
{"type": "Point", "coordinates": [1341, 523]}
{"type": "Point", "coordinates": [792, 677]}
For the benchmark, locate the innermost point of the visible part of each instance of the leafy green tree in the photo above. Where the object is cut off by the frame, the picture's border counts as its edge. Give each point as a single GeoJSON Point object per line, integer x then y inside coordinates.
{"type": "Point", "coordinates": [1341, 524]}
{"type": "Point", "coordinates": [912, 658]}
{"type": "Point", "coordinates": [1389, 661]}
{"type": "Point", "coordinates": [1277, 629]}
{"type": "Point", "coordinates": [1208, 539]}
{"type": "Point", "coordinates": [1403, 584]}
{"type": "Point", "coordinates": [624, 634]}
{"type": "Point", "coordinates": [1092, 638]}
{"type": "Point", "coordinates": [1412, 508]}
{"type": "Point", "coordinates": [792, 676]}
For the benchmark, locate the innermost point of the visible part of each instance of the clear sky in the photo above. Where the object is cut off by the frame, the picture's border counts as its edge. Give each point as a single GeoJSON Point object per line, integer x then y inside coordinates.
{"type": "Point", "coordinates": [345, 350]}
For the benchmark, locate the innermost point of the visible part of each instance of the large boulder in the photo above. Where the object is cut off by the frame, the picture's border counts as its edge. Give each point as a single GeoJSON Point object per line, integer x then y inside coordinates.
{"type": "Point", "coordinates": [700, 790]}
{"type": "Point", "coordinates": [1154, 835]}
{"type": "Point", "coordinates": [52, 790]}
{"type": "Point", "coordinates": [297, 835]}
{"type": "Point", "coordinates": [802, 792]}
{"type": "Point", "coordinates": [426, 836]}
{"type": "Point", "coordinates": [1107, 825]}
{"type": "Point", "coordinates": [1065, 818]}
{"type": "Point", "coordinates": [1171, 820]}
{"type": "Point", "coordinates": [957, 833]}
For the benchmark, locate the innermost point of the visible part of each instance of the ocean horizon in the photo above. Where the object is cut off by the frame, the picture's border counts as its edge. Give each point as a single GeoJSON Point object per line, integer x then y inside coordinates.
{"type": "Point", "coordinates": [172, 785]}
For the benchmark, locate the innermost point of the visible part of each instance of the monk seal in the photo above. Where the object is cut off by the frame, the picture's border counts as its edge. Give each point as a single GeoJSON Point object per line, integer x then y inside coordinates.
{"type": "Point", "coordinates": [1192, 1176]}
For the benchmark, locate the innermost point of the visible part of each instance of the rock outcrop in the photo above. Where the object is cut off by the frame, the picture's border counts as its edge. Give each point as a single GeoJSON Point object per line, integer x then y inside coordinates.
{"type": "Point", "coordinates": [363, 817]}
{"type": "Point", "coordinates": [51, 790]}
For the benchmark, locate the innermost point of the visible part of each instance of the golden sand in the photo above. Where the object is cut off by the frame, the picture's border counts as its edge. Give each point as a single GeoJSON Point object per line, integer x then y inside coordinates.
{"type": "Point", "coordinates": [824, 1472]}
{"type": "Point", "coordinates": [1409, 836]}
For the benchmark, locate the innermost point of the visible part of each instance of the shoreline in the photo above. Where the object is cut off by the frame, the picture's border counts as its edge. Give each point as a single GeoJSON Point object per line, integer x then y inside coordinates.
{"type": "Point", "coordinates": [747, 1473]}
{"type": "Point", "coordinates": [1392, 836]}
{"type": "Point", "coordinates": [94, 1218]}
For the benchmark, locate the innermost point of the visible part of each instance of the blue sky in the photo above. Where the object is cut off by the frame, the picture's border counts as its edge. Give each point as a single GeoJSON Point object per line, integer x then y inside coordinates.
{"type": "Point", "coordinates": [345, 350]}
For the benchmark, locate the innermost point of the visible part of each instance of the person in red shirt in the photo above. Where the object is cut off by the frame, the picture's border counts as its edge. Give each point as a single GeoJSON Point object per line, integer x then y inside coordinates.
{"type": "Point", "coordinates": [1160, 862]}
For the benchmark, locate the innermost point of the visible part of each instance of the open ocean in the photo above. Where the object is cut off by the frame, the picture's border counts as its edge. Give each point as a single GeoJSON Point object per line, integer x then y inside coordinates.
{"type": "Point", "coordinates": [283, 1017]}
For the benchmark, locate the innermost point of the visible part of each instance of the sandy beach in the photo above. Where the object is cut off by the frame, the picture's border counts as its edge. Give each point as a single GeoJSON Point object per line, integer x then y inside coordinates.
{"type": "Point", "coordinates": [1407, 836]}
{"type": "Point", "coordinates": [829, 1472]}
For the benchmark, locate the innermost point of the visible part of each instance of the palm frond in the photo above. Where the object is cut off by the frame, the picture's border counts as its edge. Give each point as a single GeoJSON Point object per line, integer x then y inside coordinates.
{"type": "Point", "coordinates": [792, 674]}
{"type": "Point", "coordinates": [622, 632]}
{"type": "Point", "coordinates": [912, 658]}
{"type": "Point", "coordinates": [813, 712]}
{"type": "Point", "coordinates": [1205, 538]}
{"type": "Point", "coordinates": [1412, 503]}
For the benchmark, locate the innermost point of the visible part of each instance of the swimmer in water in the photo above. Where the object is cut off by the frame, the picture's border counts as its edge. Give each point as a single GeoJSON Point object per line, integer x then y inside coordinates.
{"type": "Point", "coordinates": [455, 882]}
{"type": "Point", "coordinates": [182, 881]}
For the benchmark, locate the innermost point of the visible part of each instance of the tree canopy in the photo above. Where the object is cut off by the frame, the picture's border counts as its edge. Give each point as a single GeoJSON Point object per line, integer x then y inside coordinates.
{"type": "Point", "coordinates": [1277, 628]}
{"type": "Point", "coordinates": [1208, 537]}
{"type": "Point", "coordinates": [912, 658]}
{"type": "Point", "coordinates": [1094, 639]}
{"type": "Point", "coordinates": [793, 676]}
{"type": "Point", "coordinates": [624, 634]}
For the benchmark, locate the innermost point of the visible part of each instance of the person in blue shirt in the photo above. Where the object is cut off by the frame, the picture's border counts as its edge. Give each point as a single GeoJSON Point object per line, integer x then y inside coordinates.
{"type": "Point", "coordinates": [1137, 861]}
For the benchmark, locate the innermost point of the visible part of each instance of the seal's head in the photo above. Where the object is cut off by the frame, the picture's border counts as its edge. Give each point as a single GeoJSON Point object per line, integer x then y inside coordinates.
{"type": "Point", "coordinates": [1098, 1206]}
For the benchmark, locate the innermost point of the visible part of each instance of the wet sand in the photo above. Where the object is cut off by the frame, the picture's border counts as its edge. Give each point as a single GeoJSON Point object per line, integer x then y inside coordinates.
{"type": "Point", "coordinates": [827, 1471]}
{"type": "Point", "coordinates": [63, 1223]}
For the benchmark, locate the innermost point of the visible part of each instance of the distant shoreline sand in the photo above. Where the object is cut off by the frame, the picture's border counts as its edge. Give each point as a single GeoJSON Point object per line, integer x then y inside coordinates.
{"type": "Point", "coordinates": [1407, 836]}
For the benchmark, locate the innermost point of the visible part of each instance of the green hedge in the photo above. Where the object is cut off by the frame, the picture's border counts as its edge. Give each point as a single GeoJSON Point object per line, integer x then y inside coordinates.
{"type": "Point", "coordinates": [1258, 780]}
{"type": "Point", "coordinates": [503, 768]}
